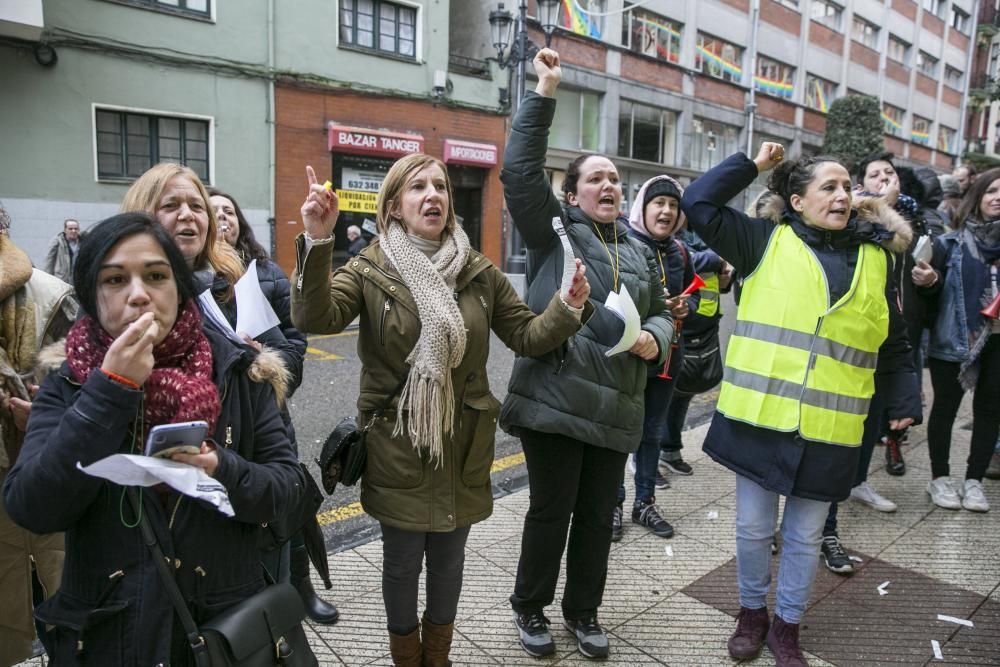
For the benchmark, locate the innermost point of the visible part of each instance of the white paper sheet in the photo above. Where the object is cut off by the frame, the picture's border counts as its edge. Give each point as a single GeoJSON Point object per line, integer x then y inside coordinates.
{"type": "Point", "coordinates": [936, 647]}
{"type": "Point", "coordinates": [210, 309]}
{"type": "Point", "coordinates": [882, 588]}
{"type": "Point", "coordinates": [952, 619]}
{"type": "Point", "coordinates": [569, 259]}
{"type": "Point", "coordinates": [924, 249]}
{"type": "Point", "coordinates": [621, 304]}
{"type": "Point", "coordinates": [133, 470]}
{"type": "Point", "coordinates": [254, 314]}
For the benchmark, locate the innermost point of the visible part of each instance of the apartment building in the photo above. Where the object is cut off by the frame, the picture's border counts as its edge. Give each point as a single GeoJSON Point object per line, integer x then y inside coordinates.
{"type": "Point", "coordinates": [678, 84]}
{"type": "Point", "coordinates": [982, 132]}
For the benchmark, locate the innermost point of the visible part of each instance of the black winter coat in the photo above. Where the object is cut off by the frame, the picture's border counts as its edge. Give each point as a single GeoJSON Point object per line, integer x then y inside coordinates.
{"type": "Point", "coordinates": [126, 618]}
{"type": "Point", "coordinates": [783, 462]}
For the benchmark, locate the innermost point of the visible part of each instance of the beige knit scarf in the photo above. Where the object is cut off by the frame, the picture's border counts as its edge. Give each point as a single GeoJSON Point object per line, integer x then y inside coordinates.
{"type": "Point", "coordinates": [428, 398]}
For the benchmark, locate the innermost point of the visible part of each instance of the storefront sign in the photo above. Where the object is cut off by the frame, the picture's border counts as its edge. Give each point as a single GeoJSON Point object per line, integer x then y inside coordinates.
{"type": "Point", "coordinates": [467, 152]}
{"type": "Point", "coordinates": [356, 201]}
{"type": "Point", "coordinates": [365, 141]}
{"type": "Point", "coordinates": [360, 179]}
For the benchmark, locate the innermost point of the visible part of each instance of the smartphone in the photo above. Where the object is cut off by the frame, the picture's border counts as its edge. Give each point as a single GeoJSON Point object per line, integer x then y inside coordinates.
{"type": "Point", "coordinates": [168, 439]}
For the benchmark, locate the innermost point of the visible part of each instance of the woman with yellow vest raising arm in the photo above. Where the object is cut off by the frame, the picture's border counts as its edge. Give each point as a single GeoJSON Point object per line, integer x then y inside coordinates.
{"type": "Point", "coordinates": [817, 326]}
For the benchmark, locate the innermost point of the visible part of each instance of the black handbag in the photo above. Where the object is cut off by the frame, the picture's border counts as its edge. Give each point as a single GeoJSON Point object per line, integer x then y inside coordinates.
{"type": "Point", "coordinates": [263, 630]}
{"type": "Point", "coordinates": [342, 459]}
{"type": "Point", "coordinates": [701, 367]}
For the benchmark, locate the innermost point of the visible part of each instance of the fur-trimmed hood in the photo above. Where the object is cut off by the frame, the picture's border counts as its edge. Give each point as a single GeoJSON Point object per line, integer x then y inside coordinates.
{"type": "Point", "coordinates": [873, 210]}
{"type": "Point", "coordinates": [267, 366]}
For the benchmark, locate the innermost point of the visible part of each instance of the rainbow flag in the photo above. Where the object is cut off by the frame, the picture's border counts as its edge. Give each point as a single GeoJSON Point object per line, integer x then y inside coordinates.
{"type": "Point", "coordinates": [670, 52]}
{"type": "Point", "coordinates": [772, 87]}
{"type": "Point", "coordinates": [579, 22]}
{"type": "Point", "coordinates": [943, 142]}
{"type": "Point", "coordinates": [819, 97]}
{"type": "Point", "coordinates": [891, 125]}
{"type": "Point", "coordinates": [659, 26]}
{"type": "Point", "coordinates": [921, 137]}
{"type": "Point", "coordinates": [731, 68]}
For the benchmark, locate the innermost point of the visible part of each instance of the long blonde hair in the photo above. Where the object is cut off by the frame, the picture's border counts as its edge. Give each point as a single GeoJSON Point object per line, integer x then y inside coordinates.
{"type": "Point", "coordinates": [396, 179]}
{"type": "Point", "coordinates": [145, 194]}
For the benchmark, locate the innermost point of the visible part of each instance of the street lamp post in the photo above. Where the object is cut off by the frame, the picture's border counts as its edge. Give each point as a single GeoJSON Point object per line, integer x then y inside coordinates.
{"type": "Point", "coordinates": [502, 23]}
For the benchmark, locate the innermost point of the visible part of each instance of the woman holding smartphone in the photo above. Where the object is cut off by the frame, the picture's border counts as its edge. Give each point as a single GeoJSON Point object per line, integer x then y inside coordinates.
{"type": "Point", "coordinates": [139, 357]}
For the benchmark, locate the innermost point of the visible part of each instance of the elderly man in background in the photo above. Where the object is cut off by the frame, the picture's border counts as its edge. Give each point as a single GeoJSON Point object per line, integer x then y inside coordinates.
{"type": "Point", "coordinates": [61, 256]}
{"type": "Point", "coordinates": [357, 241]}
{"type": "Point", "coordinates": [35, 309]}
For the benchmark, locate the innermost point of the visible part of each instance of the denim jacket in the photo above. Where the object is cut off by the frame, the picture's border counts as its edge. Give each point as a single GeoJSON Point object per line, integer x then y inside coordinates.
{"type": "Point", "coordinates": [949, 337]}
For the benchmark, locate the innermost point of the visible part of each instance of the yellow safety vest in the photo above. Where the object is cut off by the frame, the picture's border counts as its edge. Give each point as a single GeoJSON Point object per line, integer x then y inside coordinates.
{"type": "Point", "coordinates": [794, 362]}
{"type": "Point", "coordinates": [708, 296]}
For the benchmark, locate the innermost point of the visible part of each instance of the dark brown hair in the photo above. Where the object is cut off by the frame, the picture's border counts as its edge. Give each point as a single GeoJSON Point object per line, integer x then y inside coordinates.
{"type": "Point", "coordinates": [969, 206]}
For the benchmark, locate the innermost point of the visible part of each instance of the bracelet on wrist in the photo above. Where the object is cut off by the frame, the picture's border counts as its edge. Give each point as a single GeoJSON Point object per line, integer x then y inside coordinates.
{"type": "Point", "coordinates": [120, 379]}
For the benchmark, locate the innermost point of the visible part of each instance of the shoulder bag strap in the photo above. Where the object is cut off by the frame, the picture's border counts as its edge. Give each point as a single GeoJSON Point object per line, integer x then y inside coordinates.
{"type": "Point", "coordinates": [384, 405]}
{"type": "Point", "coordinates": [195, 640]}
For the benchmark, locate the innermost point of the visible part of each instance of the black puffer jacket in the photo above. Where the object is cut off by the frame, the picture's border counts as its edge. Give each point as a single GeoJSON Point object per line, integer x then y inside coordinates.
{"type": "Point", "coordinates": [127, 619]}
{"type": "Point", "coordinates": [576, 391]}
{"type": "Point", "coordinates": [783, 462]}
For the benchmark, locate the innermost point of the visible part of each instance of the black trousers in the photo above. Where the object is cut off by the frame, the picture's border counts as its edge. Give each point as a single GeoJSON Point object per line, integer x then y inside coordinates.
{"type": "Point", "coordinates": [948, 395]}
{"type": "Point", "coordinates": [568, 479]}
{"type": "Point", "coordinates": [402, 556]}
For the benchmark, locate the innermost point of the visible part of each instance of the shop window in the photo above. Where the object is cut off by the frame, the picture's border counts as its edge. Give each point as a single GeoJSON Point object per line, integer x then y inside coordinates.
{"type": "Point", "coordinates": [651, 35]}
{"type": "Point", "coordinates": [711, 143]}
{"type": "Point", "coordinates": [927, 64]}
{"type": "Point", "coordinates": [718, 58]}
{"type": "Point", "coordinates": [819, 93]}
{"type": "Point", "coordinates": [946, 139]}
{"type": "Point", "coordinates": [953, 77]}
{"type": "Point", "coordinates": [864, 32]}
{"type": "Point", "coordinates": [959, 20]}
{"type": "Point", "coordinates": [828, 13]}
{"type": "Point", "coordinates": [384, 27]}
{"type": "Point", "coordinates": [130, 143]}
{"type": "Point", "coordinates": [892, 119]}
{"type": "Point", "coordinates": [920, 132]}
{"type": "Point", "coordinates": [774, 78]}
{"type": "Point", "coordinates": [646, 133]}
{"type": "Point", "coordinates": [898, 50]}
{"type": "Point", "coordinates": [576, 125]}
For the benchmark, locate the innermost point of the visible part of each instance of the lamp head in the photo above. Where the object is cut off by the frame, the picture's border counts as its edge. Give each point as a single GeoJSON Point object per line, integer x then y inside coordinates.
{"type": "Point", "coordinates": [500, 24]}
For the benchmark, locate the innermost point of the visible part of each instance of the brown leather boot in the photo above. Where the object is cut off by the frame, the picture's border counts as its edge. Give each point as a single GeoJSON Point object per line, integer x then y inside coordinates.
{"type": "Point", "coordinates": [405, 649]}
{"type": "Point", "coordinates": [783, 640]}
{"type": "Point", "coordinates": [437, 644]}
{"type": "Point", "coordinates": [748, 638]}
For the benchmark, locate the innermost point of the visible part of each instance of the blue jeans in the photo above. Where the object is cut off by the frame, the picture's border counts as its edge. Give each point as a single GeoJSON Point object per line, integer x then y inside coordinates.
{"type": "Point", "coordinates": [654, 435]}
{"type": "Point", "coordinates": [801, 535]}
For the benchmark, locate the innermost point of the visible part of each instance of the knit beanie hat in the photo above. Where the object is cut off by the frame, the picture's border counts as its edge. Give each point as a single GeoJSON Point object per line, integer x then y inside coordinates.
{"type": "Point", "coordinates": [660, 188]}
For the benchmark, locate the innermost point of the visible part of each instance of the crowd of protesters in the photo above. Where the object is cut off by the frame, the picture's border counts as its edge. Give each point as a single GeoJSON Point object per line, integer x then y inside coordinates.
{"type": "Point", "coordinates": [894, 270]}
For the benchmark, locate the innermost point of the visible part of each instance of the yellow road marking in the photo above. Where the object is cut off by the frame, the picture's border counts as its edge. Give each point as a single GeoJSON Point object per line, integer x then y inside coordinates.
{"type": "Point", "coordinates": [322, 355]}
{"type": "Point", "coordinates": [351, 510]}
{"type": "Point", "coordinates": [353, 332]}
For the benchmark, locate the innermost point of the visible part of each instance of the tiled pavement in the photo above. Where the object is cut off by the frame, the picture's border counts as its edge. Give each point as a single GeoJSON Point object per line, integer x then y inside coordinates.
{"type": "Point", "coordinates": [671, 602]}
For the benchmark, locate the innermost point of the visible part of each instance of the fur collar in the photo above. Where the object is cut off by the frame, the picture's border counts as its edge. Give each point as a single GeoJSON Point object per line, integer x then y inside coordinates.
{"type": "Point", "coordinates": [268, 366]}
{"type": "Point", "coordinates": [873, 210]}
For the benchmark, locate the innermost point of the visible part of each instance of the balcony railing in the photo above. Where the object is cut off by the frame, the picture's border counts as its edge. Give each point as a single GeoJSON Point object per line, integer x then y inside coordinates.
{"type": "Point", "coordinates": [460, 64]}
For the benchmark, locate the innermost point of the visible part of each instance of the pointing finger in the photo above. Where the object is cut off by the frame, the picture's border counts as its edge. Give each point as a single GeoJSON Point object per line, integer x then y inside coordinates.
{"type": "Point", "coordinates": [311, 175]}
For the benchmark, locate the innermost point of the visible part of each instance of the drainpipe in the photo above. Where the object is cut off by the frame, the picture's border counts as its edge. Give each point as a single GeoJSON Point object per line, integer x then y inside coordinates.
{"type": "Point", "coordinates": [271, 121]}
{"type": "Point", "coordinates": [752, 104]}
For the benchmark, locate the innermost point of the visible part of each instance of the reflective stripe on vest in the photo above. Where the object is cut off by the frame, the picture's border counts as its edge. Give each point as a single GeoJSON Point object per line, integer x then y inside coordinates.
{"type": "Point", "coordinates": [708, 305]}
{"type": "Point", "coordinates": [794, 363]}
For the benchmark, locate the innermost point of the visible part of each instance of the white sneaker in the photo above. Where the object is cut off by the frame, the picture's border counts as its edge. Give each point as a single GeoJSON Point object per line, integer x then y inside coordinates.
{"type": "Point", "coordinates": [944, 493]}
{"type": "Point", "coordinates": [864, 493]}
{"type": "Point", "coordinates": [973, 498]}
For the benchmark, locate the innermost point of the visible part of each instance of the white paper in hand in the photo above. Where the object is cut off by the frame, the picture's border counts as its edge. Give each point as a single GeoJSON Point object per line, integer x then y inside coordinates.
{"type": "Point", "coordinates": [133, 470]}
{"type": "Point", "coordinates": [621, 304]}
{"type": "Point", "coordinates": [569, 260]}
{"type": "Point", "coordinates": [923, 250]}
{"type": "Point", "coordinates": [254, 314]}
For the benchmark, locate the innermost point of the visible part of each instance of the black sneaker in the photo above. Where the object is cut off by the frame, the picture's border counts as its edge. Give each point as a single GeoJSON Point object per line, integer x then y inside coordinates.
{"type": "Point", "coordinates": [590, 637]}
{"type": "Point", "coordinates": [835, 557]}
{"type": "Point", "coordinates": [894, 463]}
{"type": "Point", "coordinates": [616, 524]}
{"type": "Point", "coordinates": [661, 482]}
{"type": "Point", "coordinates": [533, 628]}
{"type": "Point", "coordinates": [678, 467]}
{"type": "Point", "coordinates": [646, 514]}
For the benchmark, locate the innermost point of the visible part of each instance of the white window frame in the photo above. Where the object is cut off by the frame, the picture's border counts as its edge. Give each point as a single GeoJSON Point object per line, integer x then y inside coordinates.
{"type": "Point", "coordinates": [97, 106]}
{"type": "Point", "coordinates": [906, 50]}
{"type": "Point", "coordinates": [867, 24]}
{"type": "Point", "coordinates": [959, 20]}
{"type": "Point", "coordinates": [834, 21]}
{"type": "Point", "coordinates": [927, 64]}
{"type": "Point", "coordinates": [418, 45]}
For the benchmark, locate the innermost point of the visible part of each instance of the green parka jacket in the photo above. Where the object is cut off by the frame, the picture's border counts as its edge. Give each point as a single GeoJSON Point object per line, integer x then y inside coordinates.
{"type": "Point", "coordinates": [401, 487]}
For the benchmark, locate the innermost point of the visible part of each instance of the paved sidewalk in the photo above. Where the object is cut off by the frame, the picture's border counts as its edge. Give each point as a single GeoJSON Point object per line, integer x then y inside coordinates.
{"type": "Point", "coordinates": [677, 607]}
